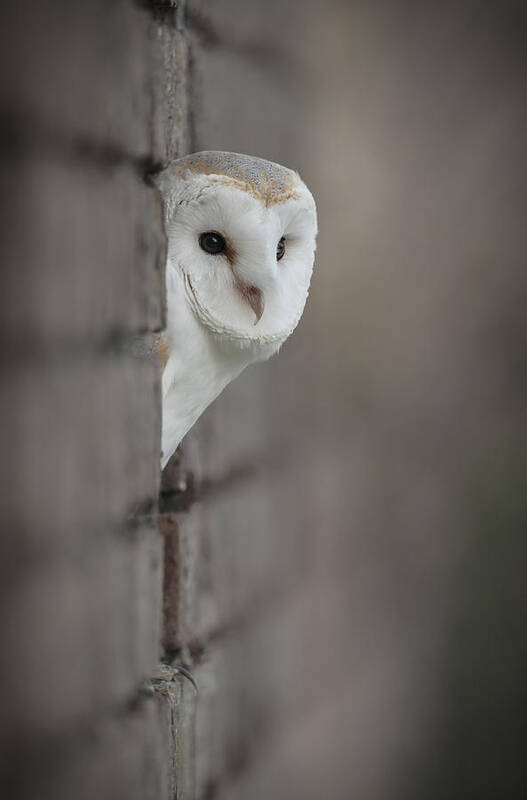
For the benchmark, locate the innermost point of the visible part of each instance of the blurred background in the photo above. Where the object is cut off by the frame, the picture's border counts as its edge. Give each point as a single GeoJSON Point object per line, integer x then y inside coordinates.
{"type": "Point", "coordinates": [344, 530]}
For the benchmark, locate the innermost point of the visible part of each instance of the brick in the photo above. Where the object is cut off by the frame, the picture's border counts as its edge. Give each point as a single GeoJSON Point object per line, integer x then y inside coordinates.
{"type": "Point", "coordinates": [255, 679]}
{"type": "Point", "coordinates": [85, 250]}
{"type": "Point", "coordinates": [79, 633]}
{"type": "Point", "coordinates": [81, 450]}
{"type": "Point", "coordinates": [269, 125]}
{"type": "Point", "coordinates": [177, 702]}
{"type": "Point", "coordinates": [311, 758]}
{"type": "Point", "coordinates": [181, 587]}
{"type": "Point", "coordinates": [123, 756]}
{"type": "Point", "coordinates": [262, 32]}
{"type": "Point", "coordinates": [171, 88]}
{"type": "Point", "coordinates": [242, 545]}
{"type": "Point", "coordinates": [173, 597]}
{"type": "Point", "coordinates": [267, 75]}
{"type": "Point", "coordinates": [78, 71]}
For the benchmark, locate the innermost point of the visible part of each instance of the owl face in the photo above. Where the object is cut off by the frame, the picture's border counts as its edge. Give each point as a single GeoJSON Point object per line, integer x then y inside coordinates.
{"type": "Point", "coordinates": [241, 238]}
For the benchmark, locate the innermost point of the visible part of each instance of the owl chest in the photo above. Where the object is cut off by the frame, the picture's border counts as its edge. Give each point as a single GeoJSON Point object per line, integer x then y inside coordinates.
{"type": "Point", "coordinates": [198, 366]}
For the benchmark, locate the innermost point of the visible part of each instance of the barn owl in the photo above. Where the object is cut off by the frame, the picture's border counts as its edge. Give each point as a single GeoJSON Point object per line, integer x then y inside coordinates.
{"type": "Point", "coordinates": [241, 240]}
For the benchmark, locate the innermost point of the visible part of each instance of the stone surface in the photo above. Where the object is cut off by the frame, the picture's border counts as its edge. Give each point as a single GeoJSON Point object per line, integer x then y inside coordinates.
{"type": "Point", "coordinates": [76, 77]}
{"type": "Point", "coordinates": [172, 84]}
{"type": "Point", "coordinates": [83, 446]}
{"type": "Point", "coordinates": [123, 756]}
{"type": "Point", "coordinates": [79, 634]}
{"type": "Point", "coordinates": [78, 236]}
{"type": "Point", "coordinates": [82, 290]}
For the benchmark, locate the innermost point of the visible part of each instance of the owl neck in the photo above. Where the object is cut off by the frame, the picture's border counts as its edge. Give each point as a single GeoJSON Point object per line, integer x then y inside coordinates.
{"type": "Point", "coordinates": [199, 367]}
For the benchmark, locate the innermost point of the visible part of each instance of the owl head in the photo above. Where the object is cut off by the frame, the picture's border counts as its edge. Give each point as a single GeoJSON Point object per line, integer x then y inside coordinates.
{"type": "Point", "coordinates": [241, 240]}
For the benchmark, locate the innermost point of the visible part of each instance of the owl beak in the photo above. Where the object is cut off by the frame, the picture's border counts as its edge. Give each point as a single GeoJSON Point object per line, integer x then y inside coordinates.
{"type": "Point", "coordinates": [255, 298]}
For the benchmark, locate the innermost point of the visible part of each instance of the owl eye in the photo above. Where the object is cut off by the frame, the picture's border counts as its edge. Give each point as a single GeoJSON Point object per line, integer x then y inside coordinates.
{"type": "Point", "coordinates": [280, 249]}
{"type": "Point", "coordinates": [212, 242]}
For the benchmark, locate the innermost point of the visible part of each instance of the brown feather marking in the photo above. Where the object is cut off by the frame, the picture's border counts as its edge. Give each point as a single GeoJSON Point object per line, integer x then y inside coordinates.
{"type": "Point", "coordinates": [270, 183]}
{"type": "Point", "coordinates": [162, 348]}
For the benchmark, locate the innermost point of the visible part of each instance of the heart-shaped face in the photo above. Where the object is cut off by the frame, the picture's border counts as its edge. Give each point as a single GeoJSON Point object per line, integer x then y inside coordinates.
{"type": "Point", "coordinates": [241, 235]}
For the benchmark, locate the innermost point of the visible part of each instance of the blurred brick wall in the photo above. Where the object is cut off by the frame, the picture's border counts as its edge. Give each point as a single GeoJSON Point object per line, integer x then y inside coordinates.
{"type": "Point", "coordinates": [93, 95]}
{"type": "Point", "coordinates": [342, 531]}
{"type": "Point", "coordinates": [351, 563]}
{"type": "Point", "coordinates": [241, 608]}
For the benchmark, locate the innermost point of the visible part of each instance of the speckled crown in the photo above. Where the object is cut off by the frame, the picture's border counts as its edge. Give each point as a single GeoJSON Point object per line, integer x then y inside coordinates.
{"type": "Point", "coordinates": [270, 182]}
